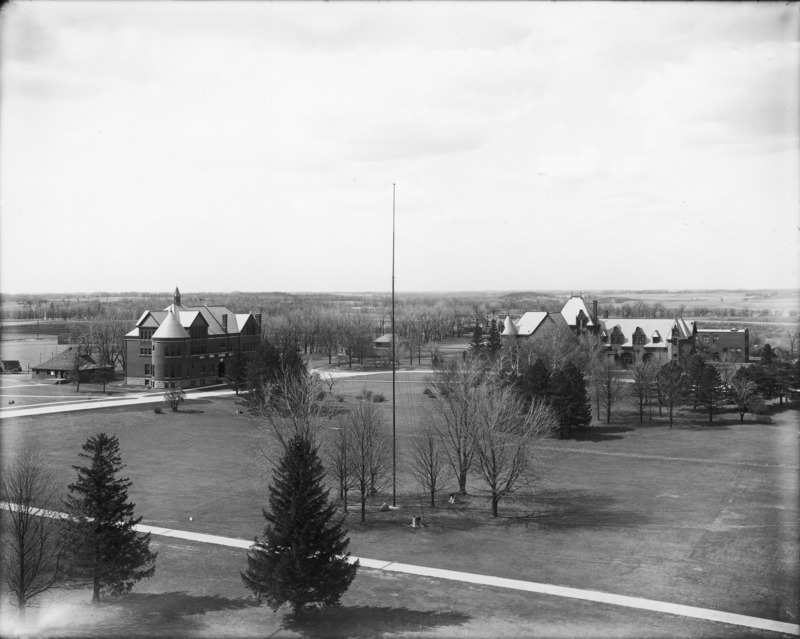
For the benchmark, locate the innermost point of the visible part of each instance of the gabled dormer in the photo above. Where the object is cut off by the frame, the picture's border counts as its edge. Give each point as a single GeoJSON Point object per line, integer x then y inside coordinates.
{"type": "Point", "coordinates": [639, 338]}
{"type": "Point", "coordinates": [617, 336]}
{"type": "Point", "coordinates": [656, 337]}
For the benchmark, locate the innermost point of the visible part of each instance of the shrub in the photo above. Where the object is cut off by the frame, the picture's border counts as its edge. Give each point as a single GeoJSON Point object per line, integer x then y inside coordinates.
{"type": "Point", "coordinates": [174, 398]}
{"type": "Point", "coordinates": [428, 392]}
{"type": "Point", "coordinates": [157, 410]}
{"type": "Point", "coordinates": [378, 398]}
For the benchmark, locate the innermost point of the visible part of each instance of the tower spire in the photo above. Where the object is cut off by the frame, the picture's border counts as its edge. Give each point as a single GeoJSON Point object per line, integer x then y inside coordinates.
{"type": "Point", "coordinates": [177, 297]}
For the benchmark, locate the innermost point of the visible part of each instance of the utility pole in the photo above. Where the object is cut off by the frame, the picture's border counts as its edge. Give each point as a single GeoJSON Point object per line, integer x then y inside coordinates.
{"type": "Point", "coordinates": [394, 373]}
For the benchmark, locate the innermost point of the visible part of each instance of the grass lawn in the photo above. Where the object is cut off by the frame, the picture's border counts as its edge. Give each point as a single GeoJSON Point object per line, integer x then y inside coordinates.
{"type": "Point", "coordinates": [197, 592]}
{"type": "Point", "coordinates": [697, 515]}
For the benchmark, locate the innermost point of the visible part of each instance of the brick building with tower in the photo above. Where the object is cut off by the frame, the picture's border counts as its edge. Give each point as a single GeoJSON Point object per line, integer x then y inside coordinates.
{"type": "Point", "coordinates": [187, 346]}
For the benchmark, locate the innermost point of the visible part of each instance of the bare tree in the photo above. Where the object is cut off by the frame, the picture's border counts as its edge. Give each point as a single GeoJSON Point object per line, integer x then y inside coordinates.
{"type": "Point", "coordinates": [672, 384]}
{"type": "Point", "coordinates": [34, 545]}
{"type": "Point", "coordinates": [173, 397]}
{"type": "Point", "coordinates": [294, 404]}
{"type": "Point", "coordinates": [335, 455]}
{"type": "Point", "coordinates": [507, 438]}
{"type": "Point", "coordinates": [641, 387]}
{"type": "Point", "coordinates": [791, 340]}
{"type": "Point", "coordinates": [369, 452]}
{"type": "Point", "coordinates": [428, 462]}
{"type": "Point", "coordinates": [608, 384]}
{"type": "Point", "coordinates": [744, 393]}
{"type": "Point", "coordinates": [77, 364]}
{"type": "Point", "coordinates": [451, 413]}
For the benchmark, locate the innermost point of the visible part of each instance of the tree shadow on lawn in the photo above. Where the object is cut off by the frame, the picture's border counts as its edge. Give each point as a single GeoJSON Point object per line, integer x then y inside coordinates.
{"type": "Point", "coordinates": [371, 621]}
{"type": "Point", "coordinates": [167, 607]}
{"type": "Point", "coordinates": [599, 433]}
{"type": "Point", "coordinates": [581, 509]}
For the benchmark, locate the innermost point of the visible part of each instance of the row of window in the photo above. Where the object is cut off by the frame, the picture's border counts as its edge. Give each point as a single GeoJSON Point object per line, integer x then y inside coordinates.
{"type": "Point", "coordinates": [150, 368]}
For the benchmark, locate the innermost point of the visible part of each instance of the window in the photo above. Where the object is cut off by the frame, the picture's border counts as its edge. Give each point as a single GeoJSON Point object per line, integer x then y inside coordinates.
{"type": "Point", "coordinates": [715, 338]}
{"type": "Point", "coordinates": [147, 369]}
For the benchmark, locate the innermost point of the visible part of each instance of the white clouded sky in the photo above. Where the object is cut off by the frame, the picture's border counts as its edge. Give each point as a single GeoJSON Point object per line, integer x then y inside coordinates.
{"type": "Point", "coordinates": [253, 146]}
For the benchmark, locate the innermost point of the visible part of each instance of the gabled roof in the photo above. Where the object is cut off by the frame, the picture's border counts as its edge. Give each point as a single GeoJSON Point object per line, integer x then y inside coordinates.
{"type": "Point", "coordinates": [386, 338]}
{"type": "Point", "coordinates": [187, 316]}
{"type": "Point", "coordinates": [649, 326]}
{"type": "Point", "coordinates": [571, 309]}
{"type": "Point", "coordinates": [65, 361]}
{"type": "Point", "coordinates": [530, 322]}
{"type": "Point", "coordinates": [170, 329]}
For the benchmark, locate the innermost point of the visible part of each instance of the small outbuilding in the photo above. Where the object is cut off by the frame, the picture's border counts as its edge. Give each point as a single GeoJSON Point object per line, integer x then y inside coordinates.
{"type": "Point", "coordinates": [66, 362]}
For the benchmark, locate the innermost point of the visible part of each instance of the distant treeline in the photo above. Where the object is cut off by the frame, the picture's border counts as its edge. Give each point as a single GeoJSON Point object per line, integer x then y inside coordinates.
{"type": "Point", "coordinates": [466, 306]}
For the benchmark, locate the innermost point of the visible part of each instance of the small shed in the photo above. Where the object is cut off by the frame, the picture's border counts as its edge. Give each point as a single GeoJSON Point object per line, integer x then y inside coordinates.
{"type": "Point", "coordinates": [63, 364]}
{"type": "Point", "coordinates": [383, 344]}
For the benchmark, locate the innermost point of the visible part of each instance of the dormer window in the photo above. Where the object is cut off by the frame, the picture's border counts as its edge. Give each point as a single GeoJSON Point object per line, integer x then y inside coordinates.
{"type": "Point", "coordinates": [639, 338]}
{"type": "Point", "coordinates": [617, 337]}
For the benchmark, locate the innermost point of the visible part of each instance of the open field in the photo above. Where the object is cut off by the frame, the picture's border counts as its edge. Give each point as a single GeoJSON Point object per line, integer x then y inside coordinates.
{"type": "Point", "coordinates": [703, 516]}
{"type": "Point", "coordinates": [31, 352]}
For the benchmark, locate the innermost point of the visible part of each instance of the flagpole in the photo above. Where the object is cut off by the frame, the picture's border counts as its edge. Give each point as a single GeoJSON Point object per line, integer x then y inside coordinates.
{"type": "Point", "coordinates": [394, 369]}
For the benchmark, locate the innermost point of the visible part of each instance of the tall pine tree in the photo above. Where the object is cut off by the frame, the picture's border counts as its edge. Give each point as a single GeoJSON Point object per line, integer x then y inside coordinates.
{"type": "Point", "coordinates": [569, 399]}
{"type": "Point", "coordinates": [302, 559]}
{"type": "Point", "coordinates": [477, 342]}
{"type": "Point", "coordinates": [109, 553]}
{"type": "Point", "coordinates": [494, 342]}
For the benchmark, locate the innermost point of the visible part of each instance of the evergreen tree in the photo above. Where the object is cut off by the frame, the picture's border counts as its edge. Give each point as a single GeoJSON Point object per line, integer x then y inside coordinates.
{"type": "Point", "coordinates": [695, 368]}
{"type": "Point", "coordinates": [494, 342]}
{"type": "Point", "coordinates": [534, 381]}
{"type": "Point", "coordinates": [302, 559]}
{"type": "Point", "coordinates": [709, 390]}
{"type": "Point", "coordinates": [569, 399]}
{"type": "Point", "coordinates": [476, 344]}
{"type": "Point", "coordinates": [767, 355]}
{"type": "Point", "coordinates": [236, 372]}
{"type": "Point", "coordinates": [109, 553]}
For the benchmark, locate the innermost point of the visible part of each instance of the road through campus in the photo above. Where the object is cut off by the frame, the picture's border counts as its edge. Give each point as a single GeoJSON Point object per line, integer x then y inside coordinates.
{"type": "Point", "coordinates": [63, 405]}
{"type": "Point", "coordinates": [595, 596]}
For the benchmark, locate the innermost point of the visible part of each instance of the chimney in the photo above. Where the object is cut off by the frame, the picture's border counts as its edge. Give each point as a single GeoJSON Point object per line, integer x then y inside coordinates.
{"type": "Point", "coordinates": [605, 314]}
{"type": "Point", "coordinates": [225, 322]}
{"type": "Point", "coordinates": [258, 319]}
{"type": "Point", "coordinates": [594, 311]}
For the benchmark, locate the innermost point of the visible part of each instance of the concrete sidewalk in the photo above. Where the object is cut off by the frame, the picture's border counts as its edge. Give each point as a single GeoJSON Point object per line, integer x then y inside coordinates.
{"type": "Point", "coordinates": [515, 584]}
{"type": "Point", "coordinates": [497, 582]}
{"type": "Point", "coordinates": [151, 398]}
